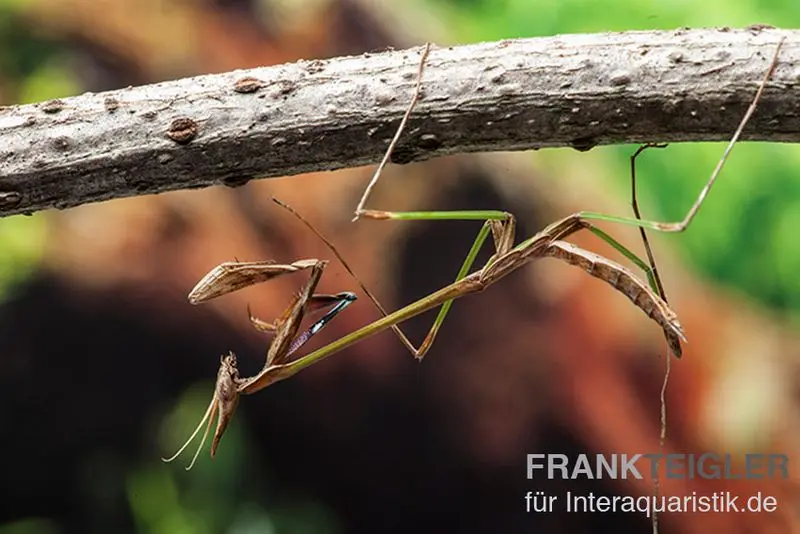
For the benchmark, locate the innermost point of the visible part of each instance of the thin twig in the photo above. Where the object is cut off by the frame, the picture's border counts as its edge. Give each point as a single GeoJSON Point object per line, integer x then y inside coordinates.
{"type": "Point", "coordinates": [417, 93]}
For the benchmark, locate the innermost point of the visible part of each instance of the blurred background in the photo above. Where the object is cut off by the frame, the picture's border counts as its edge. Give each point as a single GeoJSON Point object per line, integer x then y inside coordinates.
{"type": "Point", "coordinates": [105, 367]}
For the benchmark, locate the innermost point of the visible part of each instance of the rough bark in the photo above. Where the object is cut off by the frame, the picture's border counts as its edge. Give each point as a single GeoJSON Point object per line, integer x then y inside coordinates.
{"type": "Point", "coordinates": [573, 90]}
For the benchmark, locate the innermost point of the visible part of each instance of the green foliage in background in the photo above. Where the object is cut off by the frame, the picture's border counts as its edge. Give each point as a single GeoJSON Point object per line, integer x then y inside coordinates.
{"type": "Point", "coordinates": [21, 248]}
{"type": "Point", "coordinates": [745, 235]}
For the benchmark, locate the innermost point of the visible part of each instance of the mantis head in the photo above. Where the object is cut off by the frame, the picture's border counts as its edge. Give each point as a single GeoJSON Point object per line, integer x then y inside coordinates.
{"type": "Point", "coordinates": [224, 402]}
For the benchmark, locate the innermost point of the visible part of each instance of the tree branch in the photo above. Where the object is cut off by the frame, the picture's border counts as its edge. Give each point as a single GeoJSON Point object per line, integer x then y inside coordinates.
{"type": "Point", "coordinates": [571, 90]}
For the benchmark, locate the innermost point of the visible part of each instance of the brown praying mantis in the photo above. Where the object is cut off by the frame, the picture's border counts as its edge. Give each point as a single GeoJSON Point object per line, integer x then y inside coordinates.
{"type": "Point", "coordinates": [507, 258]}
{"type": "Point", "coordinates": [232, 276]}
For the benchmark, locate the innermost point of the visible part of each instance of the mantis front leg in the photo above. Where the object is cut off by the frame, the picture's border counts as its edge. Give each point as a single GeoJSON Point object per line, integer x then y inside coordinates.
{"type": "Point", "coordinates": [236, 275]}
{"type": "Point", "coordinates": [317, 302]}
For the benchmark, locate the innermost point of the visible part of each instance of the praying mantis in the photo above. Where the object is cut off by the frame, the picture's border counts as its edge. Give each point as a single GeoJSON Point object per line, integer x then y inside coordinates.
{"type": "Point", "coordinates": [507, 258]}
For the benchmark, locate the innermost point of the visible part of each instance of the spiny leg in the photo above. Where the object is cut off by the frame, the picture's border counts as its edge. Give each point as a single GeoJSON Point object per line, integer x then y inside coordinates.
{"type": "Point", "coordinates": [292, 318]}
{"type": "Point", "coordinates": [261, 325]}
{"type": "Point", "coordinates": [233, 275]}
{"type": "Point", "coordinates": [287, 326]}
{"type": "Point", "coordinates": [337, 304]}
